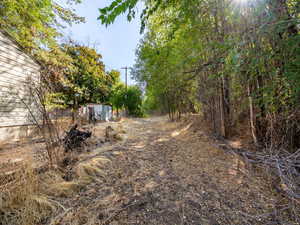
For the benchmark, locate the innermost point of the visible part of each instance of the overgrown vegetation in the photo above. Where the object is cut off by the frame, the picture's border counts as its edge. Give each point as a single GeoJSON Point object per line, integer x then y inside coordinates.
{"type": "Point", "coordinates": [85, 81]}
{"type": "Point", "coordinates": [235, 62]}
{"type": "Point", "coordinates": [72, 75]}
{"type": "Point", "coordinates": [238, 59]}
{"type": "Point", "coordinates": [35, 25]}
{"type": "Point", "coordinates": [128, 98]}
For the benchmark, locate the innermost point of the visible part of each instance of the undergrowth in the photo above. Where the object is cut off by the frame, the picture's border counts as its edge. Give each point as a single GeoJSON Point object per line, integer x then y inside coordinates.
{"type": "Point", "coordinates": [31, 198]}
{"type": "Point", "coordinates": [22, 201]}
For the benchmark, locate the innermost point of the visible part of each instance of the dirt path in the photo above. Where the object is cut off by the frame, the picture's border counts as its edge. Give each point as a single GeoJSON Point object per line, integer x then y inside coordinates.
{"type": "Point", "coordinates": [168, 174]}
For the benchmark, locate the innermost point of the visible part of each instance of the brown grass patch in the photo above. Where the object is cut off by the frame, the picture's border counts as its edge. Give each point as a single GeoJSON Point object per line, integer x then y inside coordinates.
{"type": "Point", "coordinates": [22, 202]}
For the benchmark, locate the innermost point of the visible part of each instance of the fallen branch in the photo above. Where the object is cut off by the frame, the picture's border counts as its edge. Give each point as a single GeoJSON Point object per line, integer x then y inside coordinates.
{"type": "Point", "coordinates": [282, 164]}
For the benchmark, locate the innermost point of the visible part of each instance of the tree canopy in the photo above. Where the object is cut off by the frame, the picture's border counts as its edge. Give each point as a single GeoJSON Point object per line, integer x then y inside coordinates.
{"type": "Point", "coordinates": [36, 25]}
{"type": "Point", "coordinates": [230, 58]}
{"type": "Point", "coordinates": [87, 81]}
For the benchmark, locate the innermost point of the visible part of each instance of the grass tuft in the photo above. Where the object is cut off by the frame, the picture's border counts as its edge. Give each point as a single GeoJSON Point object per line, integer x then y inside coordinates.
{"type": "Point", "coordinates": [23, 202]}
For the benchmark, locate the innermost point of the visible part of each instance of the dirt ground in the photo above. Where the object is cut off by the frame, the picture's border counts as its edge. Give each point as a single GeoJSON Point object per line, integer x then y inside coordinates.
{"type": "Point", "coordinates": [14, 155]}
{"type": "Point", "coordinates": [167, 174]}
{"type": "Point", "coordinates": [156, 172]}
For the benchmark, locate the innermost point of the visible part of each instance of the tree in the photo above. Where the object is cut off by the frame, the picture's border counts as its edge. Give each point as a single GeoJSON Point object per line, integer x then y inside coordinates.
{"type": "Point", "coordinates": [117, 98]}
{"type": "Point", "coordinates": [233, 58]}
{"type": "Point", "coordinates": [35, 24]}
{"type": "Point", "coordinates": [133, 101]}
{"type": "Point", "coordinates": [129, 98]}
{"type": "Point", "coordinates": [86, 80]}
{"type": "Point", "coordinates": [162, 59]}
{"type": "Point", "coordinates": [118, 89]}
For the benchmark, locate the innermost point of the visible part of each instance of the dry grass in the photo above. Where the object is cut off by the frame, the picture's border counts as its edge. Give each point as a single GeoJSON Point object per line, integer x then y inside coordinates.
{"type": "Point", "coordinates": [22, 202]}
{"type": "Point", "coordinates": [92, 169]}
{"type": "Point", "coordinates": [163, 173]}
{"type": "Point", "coordinates": [65, 188]}
{"type": "Point", "coordinates": [30, 198]}
{"type": "Point", "coordinates": [55, 186]}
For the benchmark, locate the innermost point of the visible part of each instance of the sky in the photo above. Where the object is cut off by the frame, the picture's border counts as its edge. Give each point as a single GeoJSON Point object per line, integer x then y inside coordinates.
{"type": "Point", "coordinates": [116, 43]}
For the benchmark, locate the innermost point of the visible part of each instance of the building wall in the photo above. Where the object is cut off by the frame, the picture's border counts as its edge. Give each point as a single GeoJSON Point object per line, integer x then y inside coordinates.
{"type": "Point", "coordinates": [17, 72]}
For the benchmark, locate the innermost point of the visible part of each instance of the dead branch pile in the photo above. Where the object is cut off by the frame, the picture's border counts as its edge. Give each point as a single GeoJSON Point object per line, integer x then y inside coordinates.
{"type": "Point", "coordinates": [282, 164]}
{"type": "Point", "coordinates": [75, 138]}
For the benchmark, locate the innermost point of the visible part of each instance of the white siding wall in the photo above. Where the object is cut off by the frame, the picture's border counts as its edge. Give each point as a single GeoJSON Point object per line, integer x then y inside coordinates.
{"type": "Point", "coordinates": [16, 70]}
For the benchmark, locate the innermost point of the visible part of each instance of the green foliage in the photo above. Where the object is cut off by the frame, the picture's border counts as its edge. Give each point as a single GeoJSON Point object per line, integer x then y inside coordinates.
{"type": "Point", "coordinates": [117, 7]}
{"type": "Point", "coordinates": [133, 101]}
{"type": "Point", "coordinates": [35, 24]}
{"type": "Point", "coordinates": [162, 59]}
{"type": "Point", "coordinates": [86, 81]}
{"type": "Point", "coordinates": [130, 99]}
{"type": "Point", "coordinates": [117, 98]}
{"type": "Point", "coordinates": [150, 103]}
{"type": "Point", "coordinates": [221, 54]}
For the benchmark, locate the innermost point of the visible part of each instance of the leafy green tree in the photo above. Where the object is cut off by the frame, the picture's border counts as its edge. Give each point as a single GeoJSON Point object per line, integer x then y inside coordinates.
{"type": "Point", "coordinates": [117, 98]}
{"type": "Point", "coordinates": [36, 25]}
{"type": "Point", "coordinates": [133, 101]}
{"type": "Point", "coordinates": [86, 81]}
{"type": "Point", "coordinates": [114, 77]}
{"type": "Point", "coordinates": [162, 58]}
{"type": "Point", "coordinates": [129, 98]}
{"type": "Point", "coordinates": [232, 58]}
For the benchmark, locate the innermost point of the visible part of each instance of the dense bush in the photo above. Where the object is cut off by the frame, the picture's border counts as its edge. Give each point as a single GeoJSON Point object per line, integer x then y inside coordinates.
{"type": "Point", "coordinates": [129, 98]}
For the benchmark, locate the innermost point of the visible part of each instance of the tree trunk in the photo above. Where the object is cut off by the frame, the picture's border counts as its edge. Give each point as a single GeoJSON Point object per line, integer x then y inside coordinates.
{"type": "Point", "coordinates": [226, 104]}
{"type": "Point", "coordinates": [252, 115]}
{"type": "Point", "coordinates": [222, 111]}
